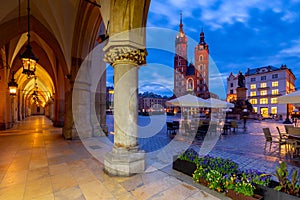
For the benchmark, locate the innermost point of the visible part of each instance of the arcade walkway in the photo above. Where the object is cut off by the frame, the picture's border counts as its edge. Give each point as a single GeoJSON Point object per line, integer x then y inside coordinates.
{"type": "Point", "coordinates": [37, 163]}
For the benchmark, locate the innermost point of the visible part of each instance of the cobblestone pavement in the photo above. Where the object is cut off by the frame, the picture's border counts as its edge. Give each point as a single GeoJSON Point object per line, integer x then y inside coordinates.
{"type": "Point", "coordinates": [245, 146]}
{"type": "Point", "coordinates": [37, 163]}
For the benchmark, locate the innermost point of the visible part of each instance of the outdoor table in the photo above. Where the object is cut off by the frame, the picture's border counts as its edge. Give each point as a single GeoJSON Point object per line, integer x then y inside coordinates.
{"type": "Point", "coordinates": [294, 137]}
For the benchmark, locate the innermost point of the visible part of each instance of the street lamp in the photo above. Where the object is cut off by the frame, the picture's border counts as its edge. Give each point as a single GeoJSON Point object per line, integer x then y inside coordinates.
{"type": "Point", "coordinates": [245, 115]}
{"type": "Point", "coordinates": [12, 85]}
{"type": "Point", "coordinates": [28, 58]}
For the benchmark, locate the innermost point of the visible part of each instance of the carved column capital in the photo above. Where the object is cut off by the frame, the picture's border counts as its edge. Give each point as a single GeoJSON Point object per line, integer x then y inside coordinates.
{"type": "Point", "coordinates": [125, 55]}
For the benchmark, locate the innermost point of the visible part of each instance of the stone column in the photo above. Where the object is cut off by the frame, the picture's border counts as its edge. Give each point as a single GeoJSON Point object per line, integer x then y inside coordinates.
{"type": "Point", "coordinates": [125, 158]}
{"type": "Point", "coordinates": [125, 51]}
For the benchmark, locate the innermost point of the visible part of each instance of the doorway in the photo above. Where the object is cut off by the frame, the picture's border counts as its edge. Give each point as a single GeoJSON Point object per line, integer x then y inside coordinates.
{"type": "Point", "coordinates": [264, 112]}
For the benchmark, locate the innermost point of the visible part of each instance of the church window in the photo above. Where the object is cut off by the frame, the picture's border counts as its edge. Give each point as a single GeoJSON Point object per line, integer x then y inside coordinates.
{"type": "Point", "coordinates": [190, 84]}
{"type": "Point", "coordinates": [201, 66]}
{"type": "Point", "coordinates": [201, 58]}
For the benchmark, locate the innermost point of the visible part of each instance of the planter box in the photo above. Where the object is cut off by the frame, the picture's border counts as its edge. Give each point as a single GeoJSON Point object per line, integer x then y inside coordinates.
{"type": "Point", "coordinates": [184, 166]}
{"type": "Point", "coordinates": [237, 196]}
{"type": "Point", "coordinates": [203, 182]}
{"type": "Point", "coordinates": [270, 194]}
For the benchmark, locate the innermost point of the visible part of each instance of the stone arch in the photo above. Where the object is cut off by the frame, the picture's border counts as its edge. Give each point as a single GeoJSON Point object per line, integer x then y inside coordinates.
{"type": "Point", "coordinates": [46, 47]}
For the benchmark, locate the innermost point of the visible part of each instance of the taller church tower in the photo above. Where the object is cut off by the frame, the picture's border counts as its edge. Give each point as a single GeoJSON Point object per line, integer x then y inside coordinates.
{"type": "Point", "coordinates": [180, 61]}
{"type": "Point", "coordinates": [202, 58]}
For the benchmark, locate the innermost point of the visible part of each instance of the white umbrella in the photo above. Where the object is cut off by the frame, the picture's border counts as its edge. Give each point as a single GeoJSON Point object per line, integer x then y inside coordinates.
{"type": "Point", "coordinates": [188, 101]}
{"type": "Point", "coordinates": [292, 98]}
{"type": "Point", "coordinates": [217, 103]}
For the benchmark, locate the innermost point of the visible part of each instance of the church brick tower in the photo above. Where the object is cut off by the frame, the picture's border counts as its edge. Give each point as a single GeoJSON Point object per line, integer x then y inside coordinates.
{"type": "Point", "coordinates": [190, 78]}
{"type": "Point", "coordinates": [202, 58]}
{"type": "Point", "coordinates": [180, 61]}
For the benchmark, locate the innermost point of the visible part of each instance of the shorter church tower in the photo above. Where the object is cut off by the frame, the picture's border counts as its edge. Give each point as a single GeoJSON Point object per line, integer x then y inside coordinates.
{"type": "Point", "coordinates": [202, 59]}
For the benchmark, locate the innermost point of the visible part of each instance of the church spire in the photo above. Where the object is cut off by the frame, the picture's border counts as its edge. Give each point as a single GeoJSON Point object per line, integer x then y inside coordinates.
{"type": "Point", "coordinates": [202, 37]}
{"type": "Point", "coordinates": [181, 25]}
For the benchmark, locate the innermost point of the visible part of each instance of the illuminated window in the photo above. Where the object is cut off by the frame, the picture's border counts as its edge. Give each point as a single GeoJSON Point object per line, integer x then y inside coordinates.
{"type": "Point", "coordinates": [253, 93]}
{"type": "Point", "coordinates": [263, 85]}
{"type": "Point", "coordinates": [275, 91]}
{"type": "Point", "coordinates": [274, 110]}
{"type": "Point", "coordinates": [263, 92]}
{"type": "Point", "coordinates": [273, 100]}
{"type": "Point", "coordinates": [253, 101]}
{"type": "Point", "coordinates": [252, 86]}
{"type": "Point", "coordinates": [275, 84]}
{"type": "Point", "coordinates": [263, 101]}
{"type": "Point", "coordinates": [255, 109]}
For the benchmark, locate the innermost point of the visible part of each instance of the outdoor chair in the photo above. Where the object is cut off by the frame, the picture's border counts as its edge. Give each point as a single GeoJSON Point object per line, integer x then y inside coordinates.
{"type": "Point", "coordinates": [201, 131]}
{"type": "Point", "coordinates": [234, 125]}
{"type": "Point", "coordinates": [269, 138]}
{"type": "Point", "coordinates": [170, 128]}
{"type": "Point", "coordinates": [176, 125]}
{"type": "Point", "coordinates": [283, 137]}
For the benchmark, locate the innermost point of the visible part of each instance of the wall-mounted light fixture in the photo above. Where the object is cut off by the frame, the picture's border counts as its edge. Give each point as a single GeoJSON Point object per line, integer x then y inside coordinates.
{"type": "Point", "coordinates": [12, 85]}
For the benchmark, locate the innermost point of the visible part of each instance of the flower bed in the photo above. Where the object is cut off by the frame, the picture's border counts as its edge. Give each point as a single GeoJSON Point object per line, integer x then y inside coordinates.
{"type": "Point", "coordinates": [223, 175]}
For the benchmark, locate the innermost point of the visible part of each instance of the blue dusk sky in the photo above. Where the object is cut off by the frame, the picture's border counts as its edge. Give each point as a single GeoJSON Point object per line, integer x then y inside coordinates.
{"type": "Point", "coordinates": [240, 34]}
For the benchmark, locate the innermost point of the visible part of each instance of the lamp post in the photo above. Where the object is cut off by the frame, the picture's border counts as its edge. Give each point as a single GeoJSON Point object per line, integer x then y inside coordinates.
{"type": "Point", "coordinates": [12, 85]}
{"type": "Point", "coordinates": [245, 115]}
{"type": "Point", "coordinates": [287, 119]}
{"type": "Point", "coordinates": [28, 58]}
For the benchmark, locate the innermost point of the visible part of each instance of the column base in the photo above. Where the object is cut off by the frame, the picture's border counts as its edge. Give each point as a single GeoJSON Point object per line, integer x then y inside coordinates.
{"type": "Point", "coordinates": [124, 163]}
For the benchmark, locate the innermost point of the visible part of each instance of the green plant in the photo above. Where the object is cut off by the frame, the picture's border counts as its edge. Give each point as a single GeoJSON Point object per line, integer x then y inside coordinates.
{"type": "Point", "coordinates": [189, 155]}
{"type": "Point", "coordinates": [285, 185]}
{"type": "Point", "coordinates": [216, 180]}
{"type": "Point", "coordinates": [244, 186]}
{"type": "Point", "coordinates": [258, 177]}
{"type": "Point", "coordinates": [199, 173]}
{"type": "Point", "coordinates": [240, 184]}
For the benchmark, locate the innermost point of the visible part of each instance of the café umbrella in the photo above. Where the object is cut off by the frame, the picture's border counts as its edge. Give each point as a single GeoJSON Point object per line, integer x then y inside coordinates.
{"type": "Point", "coordinates": [292, 98]}
{"type": "Point", "coordinates": [188, 101]}
{"type": "Point", "coordinates": [217, 103]}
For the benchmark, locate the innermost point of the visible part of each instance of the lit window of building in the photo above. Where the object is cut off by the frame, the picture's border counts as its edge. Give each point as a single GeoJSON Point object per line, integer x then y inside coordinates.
{"type": "Point", "coordinates": [263, 85]}
{"type": "Point", "coordinates": [253, 93]}
{"type": "Point", "coordinates": [274, 110]}
{"type": "Point", "coordinates": [275, 91]}
{"type": "Point", "coordinates": [253, 101]}
{"type": "Point", "coordinates": [274, 100]}
{"type": "Point", "coordinates": [263, 92]}
{"type": "Point", "coordinates": [255, 109]}
{"type": "Point", "coordinates": [263, 101]}
{"type": "Point", "coordinates": [252, 86]}
{"type": "Point", "coordinates": [275, 84]}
